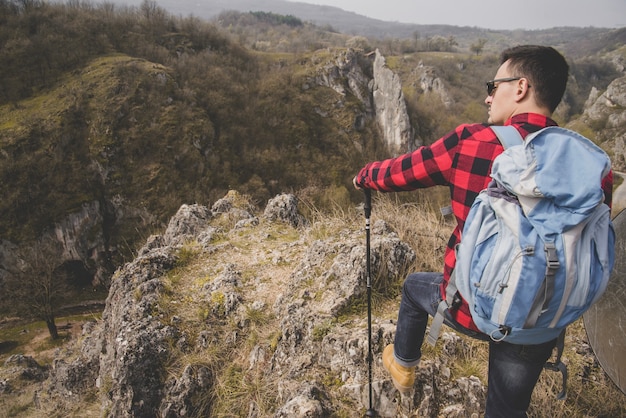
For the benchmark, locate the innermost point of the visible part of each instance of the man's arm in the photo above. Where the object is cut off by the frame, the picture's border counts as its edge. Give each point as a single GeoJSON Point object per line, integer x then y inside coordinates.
{"type": "Point", "coordinates": [425, 167]}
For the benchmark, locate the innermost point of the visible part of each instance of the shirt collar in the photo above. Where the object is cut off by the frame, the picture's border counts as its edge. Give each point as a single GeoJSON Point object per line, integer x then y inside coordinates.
{"type": "Point", "coordinates": [535, 119]}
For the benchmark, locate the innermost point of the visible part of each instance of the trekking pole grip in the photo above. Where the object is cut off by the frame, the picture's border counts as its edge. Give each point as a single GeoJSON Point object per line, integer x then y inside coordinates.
{"type": "Point", "coordinates": [368, 202]}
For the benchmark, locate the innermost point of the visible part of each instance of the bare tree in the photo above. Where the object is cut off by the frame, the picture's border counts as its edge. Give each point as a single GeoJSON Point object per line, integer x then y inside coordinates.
{"type": "Point", "coordinates": [39, 287]}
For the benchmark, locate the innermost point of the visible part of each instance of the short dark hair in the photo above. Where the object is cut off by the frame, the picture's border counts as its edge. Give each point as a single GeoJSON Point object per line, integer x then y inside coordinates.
{"type": "Point", "coordinates": [544, 67]}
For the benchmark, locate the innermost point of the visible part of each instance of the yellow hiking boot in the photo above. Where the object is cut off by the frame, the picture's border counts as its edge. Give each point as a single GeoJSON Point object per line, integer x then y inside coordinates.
{"type": "Point", "coordinates": [402, 377]}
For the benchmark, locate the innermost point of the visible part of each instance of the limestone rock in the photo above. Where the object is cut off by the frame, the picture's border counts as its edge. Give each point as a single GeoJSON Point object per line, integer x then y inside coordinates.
{"type": "Point", "coordinates": [314, 358]}
{"type": "Point", "coordinates": [605, 113]}
{"type": "Point", "coordinates": [284, 208]}
{"type": "Point", "coordinates": [19, 366]}
{"type": "Point", "coordinates": [390, 108]}
{"type": "Point", "coordinates": [429, 82]}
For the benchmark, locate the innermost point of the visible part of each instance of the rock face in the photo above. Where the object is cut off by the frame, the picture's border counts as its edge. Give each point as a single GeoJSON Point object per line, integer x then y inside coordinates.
{"type": "Point", "coordinates": [390, 108]}
{"type": "Point", "coordinates": [81, 237]}
{"type": "Point", "coordinates": [606, 113]}
{"type": "Point", "coordinates": [381, 96]}
{"type": "Point", "coordinates": [429, 82]}
{"type": "Point", "coordinates": [345, 74]}
{"type": "Point", "coordinates": [20, 367]}
{"type": "Point", "coordinates": [145, 359]}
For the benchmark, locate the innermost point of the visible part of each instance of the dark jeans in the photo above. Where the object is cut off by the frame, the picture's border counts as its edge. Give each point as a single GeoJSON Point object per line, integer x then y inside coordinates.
{"type": "Point", "coordinates": [513, 369]}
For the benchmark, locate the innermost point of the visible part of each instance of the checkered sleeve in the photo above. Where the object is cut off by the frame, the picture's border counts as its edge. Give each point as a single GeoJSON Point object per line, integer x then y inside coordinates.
{"type": "Point", "coordinates": [425, 167]}
{"type": "Point", "coordinates": [460, 160]}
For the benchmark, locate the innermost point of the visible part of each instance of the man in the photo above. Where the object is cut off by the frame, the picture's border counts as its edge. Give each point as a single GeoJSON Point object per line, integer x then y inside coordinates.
{"type": "Point", "coordinates": [525, 91]}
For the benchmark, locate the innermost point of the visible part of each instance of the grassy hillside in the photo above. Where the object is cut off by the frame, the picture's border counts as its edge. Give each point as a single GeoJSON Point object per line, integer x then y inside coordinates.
{"type": "Point", "coordinates": [157, 115]}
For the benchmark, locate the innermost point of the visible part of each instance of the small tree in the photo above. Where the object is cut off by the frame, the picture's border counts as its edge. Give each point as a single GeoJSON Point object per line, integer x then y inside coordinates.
{"type": "Point", "coordinates": [38, 287]}
{"type": "Point", "coordinates": [478, 46]}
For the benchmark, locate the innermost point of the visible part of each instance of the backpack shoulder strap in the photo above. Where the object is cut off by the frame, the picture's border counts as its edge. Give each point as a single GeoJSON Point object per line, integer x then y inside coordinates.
{"type": "Point", "coordinates": [446, 302]}
{"type": "Point", "coordinates": [507, 135]}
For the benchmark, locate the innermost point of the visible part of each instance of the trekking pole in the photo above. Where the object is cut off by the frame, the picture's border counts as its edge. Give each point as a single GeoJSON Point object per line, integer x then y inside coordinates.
{"type": "Point", "coordinates": [368, 211]}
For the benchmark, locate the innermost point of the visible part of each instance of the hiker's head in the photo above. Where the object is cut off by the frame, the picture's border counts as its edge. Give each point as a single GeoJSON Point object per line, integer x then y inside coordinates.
{"type": "Point", "coordinates": [531, 78]}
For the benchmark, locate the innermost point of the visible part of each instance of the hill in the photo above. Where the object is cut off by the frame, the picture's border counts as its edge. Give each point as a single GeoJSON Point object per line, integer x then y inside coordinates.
{"type": "Point", "coordinates": [575, 42]}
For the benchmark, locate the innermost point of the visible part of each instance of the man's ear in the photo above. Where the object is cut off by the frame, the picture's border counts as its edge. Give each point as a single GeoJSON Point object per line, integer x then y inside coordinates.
{"type": "Point", "coordinates": [522, 91]}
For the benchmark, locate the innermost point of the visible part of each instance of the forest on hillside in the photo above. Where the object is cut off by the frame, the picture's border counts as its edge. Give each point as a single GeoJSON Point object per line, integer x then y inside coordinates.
{"type": "Point", "coordinates": [220, 117]}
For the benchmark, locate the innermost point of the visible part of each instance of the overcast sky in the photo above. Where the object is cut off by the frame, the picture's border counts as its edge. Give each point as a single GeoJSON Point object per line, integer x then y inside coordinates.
{"type": "Point", "coordinates": [491, 14]}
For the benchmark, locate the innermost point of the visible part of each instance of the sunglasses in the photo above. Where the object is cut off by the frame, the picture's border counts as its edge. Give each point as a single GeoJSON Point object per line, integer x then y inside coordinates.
{"type": "Point", "coordinates": [491, 85]}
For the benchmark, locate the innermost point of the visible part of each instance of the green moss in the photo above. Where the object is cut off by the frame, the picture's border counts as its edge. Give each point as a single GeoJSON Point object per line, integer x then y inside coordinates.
{"type": "Point", "coordinates": [321, 330]}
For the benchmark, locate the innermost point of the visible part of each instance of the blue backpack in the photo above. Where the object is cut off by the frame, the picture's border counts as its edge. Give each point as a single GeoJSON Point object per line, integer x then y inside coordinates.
{"type": "Point", "coordinates": [537, 248]}
{"type": "Point", "coordinates": [538, 244]}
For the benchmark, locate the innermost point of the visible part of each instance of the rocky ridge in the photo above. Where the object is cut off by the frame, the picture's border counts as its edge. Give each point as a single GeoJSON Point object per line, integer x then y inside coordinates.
{"type": "Point", "coordinates": [271, 269]}
{"type": "Point", "coordinates": [606, 111]}
{"type": "Point", "coordinates": [229, 311]}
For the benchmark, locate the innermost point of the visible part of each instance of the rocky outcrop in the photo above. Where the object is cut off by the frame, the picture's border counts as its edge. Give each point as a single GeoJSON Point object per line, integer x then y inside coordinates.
{"type": "Point", "coordinates": [429, 83]}
{"type": "Point", "coordinates": [20, 368]}
{"type": "Point", "coordinates": [83, 239]}
{"type": "Point", "coordinates": [380, 94]}
{"type": "Point", "coordinates": [605, 113]}
{"type": "Point", "coordinates": [609, 106]}
{"type": "Point", "coordinates": [345, 74]}
{"type": "Point", "coordinates": [390, 108]}
{"type": "Point", "coordinates": [80, 237]}
{"type": "Point", "coordinates": [145, 359]}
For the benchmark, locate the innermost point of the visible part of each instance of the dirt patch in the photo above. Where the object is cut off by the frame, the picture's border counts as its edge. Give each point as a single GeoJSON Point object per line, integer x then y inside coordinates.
{"type": "Point", "coordinates": [36, 347]}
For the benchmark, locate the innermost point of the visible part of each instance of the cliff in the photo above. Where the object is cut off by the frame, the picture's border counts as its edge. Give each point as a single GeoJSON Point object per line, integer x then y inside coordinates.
{"type": "Point", "coordinates": [391, 113]}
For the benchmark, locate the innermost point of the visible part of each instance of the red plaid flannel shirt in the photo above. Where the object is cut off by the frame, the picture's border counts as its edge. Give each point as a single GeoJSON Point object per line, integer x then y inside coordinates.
{"type": "Point", "coordinates": [461, 160]}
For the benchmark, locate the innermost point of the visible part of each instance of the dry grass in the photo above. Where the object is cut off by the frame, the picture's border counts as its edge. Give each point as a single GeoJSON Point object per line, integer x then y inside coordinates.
{"type": "Point", "coordinates": [420, 225]}
{"type": "Point", "coordinates": [263, 259]}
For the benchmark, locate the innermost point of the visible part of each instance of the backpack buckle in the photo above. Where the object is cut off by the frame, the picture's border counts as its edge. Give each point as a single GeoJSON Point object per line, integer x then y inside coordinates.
{"type": "Point", "coordinates": [552, 259]}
